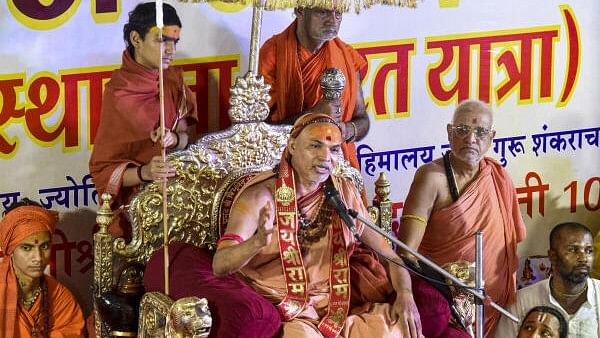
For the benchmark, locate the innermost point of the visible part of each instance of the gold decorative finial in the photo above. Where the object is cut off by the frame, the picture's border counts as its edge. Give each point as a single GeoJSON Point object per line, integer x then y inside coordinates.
{"type": "Point", "coordinates": [383, 187]}
{"type": "Point", "coordinates": [105, 214]}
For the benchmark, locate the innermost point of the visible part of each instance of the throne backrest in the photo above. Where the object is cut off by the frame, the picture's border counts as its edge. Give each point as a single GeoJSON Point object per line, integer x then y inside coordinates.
{"type": "Point", "coordinates": [210, 171]}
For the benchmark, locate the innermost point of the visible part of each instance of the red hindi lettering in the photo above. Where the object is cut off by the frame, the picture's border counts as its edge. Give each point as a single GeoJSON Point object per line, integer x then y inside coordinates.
{"type": "Point", "coordinates": [574, 53]}
{"type": "Point", "coordinates": [201, 88]}
{"type": "Point", "coordinates": [43, 104]}
{"type": "Point", "coordinates": [9, 110]}
{"type": "Point", "coordinates": [72, 83]}
{"type": "Point", "coordinates": [45, 10]}
{"type": "Point", "coordinates": [529, 190]}
{"type": "Point", "coordinates": [518, 75]}
{"type": "Point", "coordinates": [399, 69]}
{"type": "Point", "coordinates": [86, 257]}
{"type": "Point", "coordinates": [64, 246]}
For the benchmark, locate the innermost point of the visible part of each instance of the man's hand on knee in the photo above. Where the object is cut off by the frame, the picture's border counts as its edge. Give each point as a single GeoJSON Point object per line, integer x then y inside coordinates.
{"type": "Point", "coordinates": [405, 314]}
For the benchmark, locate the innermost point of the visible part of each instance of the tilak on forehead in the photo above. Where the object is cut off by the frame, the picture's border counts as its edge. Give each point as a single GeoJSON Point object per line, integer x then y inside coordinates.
{"type": "Point", "coordinates": [22, 222]}
{"type": "Point", "coordinates": [171, 31]}
{"type": "Point", "coordinates": [321, 125]}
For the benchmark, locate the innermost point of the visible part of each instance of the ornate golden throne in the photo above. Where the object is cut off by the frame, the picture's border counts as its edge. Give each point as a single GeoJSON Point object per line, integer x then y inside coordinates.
{"type": "Point", "coordinates": [209, 173]}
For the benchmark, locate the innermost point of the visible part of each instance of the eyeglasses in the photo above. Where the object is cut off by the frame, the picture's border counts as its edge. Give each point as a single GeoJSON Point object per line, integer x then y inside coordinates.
{"type": "Point", "coordinates": [463, 130]}
{"type": "Point", "coordinates": [323, 13]}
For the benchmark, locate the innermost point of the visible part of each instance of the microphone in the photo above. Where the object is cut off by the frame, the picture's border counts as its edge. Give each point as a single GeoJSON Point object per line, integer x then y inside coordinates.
{"type": "Point", "coordinates": [333, 198]}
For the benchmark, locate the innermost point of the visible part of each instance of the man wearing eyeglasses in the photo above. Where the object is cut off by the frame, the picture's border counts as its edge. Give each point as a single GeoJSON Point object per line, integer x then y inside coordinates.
{"type": "Point", "coordinates": [292, 63]}
{"type": "Point", "coordinates": [450, 199]}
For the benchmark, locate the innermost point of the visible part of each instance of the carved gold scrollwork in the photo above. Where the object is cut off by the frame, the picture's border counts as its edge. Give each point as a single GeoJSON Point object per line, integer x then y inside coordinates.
{"type": "Point", "coordinates": [154, 308]}
{"type": "Point", "coordinates": [249, 99]}
{"type": "Point", "coordinates": [383, 203]}
{"type": "Point", "coordinates": [103, 258]}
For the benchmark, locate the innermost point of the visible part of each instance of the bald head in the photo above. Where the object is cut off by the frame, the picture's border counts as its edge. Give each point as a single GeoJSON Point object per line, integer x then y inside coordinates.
{"type": "Point", "coordinates": [561, 230]}
{"type": "Point", "coordinates": [473, 106]}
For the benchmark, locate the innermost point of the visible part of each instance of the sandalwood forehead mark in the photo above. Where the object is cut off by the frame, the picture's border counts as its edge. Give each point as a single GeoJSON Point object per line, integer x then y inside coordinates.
{"type": "Point", "coordinates": [171, 31]}
{"type": "Point", "coordinates": [325, 131]}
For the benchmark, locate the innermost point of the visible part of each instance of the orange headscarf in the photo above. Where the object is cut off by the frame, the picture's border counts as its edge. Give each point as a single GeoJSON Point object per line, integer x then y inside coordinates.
{"type": "Point", "coordinates": [18, 224]}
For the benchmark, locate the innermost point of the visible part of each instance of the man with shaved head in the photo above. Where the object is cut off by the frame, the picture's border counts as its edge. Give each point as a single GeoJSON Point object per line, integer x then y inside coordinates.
{"type": "Point", "coordinates": [570, 289]}
{"type": "Point", "coordinates": [286, 242]}
{"type": "Point", "coordinates": [452, 198]}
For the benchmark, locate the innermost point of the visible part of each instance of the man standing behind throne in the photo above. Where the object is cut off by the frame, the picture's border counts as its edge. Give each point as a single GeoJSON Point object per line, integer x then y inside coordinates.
{"type": "Point", "coordinates": [286, 242]}
{"type": "Point", "coordinates": [292, 63]}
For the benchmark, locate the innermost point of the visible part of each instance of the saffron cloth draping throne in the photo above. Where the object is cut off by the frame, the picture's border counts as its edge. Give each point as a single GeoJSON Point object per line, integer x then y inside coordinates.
{"type": "Point", "coordinates": [209, 173]}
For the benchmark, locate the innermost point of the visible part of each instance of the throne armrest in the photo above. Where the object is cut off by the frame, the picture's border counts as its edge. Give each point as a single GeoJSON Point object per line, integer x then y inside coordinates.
{"type": "Point", "coordinates": [154, 308]}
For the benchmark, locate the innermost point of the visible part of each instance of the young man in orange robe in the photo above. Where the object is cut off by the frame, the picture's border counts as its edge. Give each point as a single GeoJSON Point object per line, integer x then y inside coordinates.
{"type": "Point", "coordinates": [127, 148]}
{"type": "Point", "coordinates": [453, 197]}
{"type": "Point", "coordinates": [292, 63]}
{"type": "Point", "coordinates": [32, 303]}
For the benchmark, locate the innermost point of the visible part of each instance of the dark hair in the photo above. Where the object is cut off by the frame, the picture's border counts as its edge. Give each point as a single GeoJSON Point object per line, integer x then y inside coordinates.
{"type": "Point", "coordinates": [23, 202]}
{"type": "Point", "coordinates": [563, 327]}
{"type": "Point", "coordinates": [143, 17]}
{"type": "Point", "coordinates": [573, 226]}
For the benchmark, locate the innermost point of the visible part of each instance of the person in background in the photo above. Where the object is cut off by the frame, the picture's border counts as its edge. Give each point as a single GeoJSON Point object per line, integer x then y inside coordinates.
{"type": "Point", "coordinates": [570, 289]}
{"type": "Point", "coordinates": [32, 303]}
{"type": "Point", "coordinates": [543, 321]}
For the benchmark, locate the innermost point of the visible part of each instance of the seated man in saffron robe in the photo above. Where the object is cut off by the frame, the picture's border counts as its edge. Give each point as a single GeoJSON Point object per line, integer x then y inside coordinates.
{"type": "Point", "coordinates": [292, 63]}
{"type": "Point", "coordinates": [453, 197]}
{"type": "Point", "coordinates": [127, 148]}
{"type": "Point", "coordinates": [286, 242]}
{"type": "Point", "coordinates": [32, 303]}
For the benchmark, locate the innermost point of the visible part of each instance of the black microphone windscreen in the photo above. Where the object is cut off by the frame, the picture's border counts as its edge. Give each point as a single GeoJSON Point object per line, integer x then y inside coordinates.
{"type": "Point", "coordinates": [333, 196]}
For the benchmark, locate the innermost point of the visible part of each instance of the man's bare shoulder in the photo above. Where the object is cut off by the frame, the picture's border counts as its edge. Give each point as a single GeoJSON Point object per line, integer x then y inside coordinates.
{"type": "Point", "coordinates": [261, 191]}
{"type": "Point", "coordinates": [433, 170]}
{"type": "Point", "coordinates": [429, 189]}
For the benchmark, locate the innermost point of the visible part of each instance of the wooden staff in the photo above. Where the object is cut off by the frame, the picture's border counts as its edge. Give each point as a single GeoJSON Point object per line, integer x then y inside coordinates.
{"type": "Point", "coordinates": [160, 25]}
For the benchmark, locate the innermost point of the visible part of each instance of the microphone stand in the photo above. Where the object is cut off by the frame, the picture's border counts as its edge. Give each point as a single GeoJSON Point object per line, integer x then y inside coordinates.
{"type": "Point", "coordinates": [479, 311]}
{"type": "Point", "coordinates": [456, 282]}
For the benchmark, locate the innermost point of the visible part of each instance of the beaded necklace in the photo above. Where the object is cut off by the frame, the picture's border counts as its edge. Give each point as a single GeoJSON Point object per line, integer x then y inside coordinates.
{"type": "Point", "coordinates": [28, 302]}
{"type": "Point", "coordinates": [310, 231]}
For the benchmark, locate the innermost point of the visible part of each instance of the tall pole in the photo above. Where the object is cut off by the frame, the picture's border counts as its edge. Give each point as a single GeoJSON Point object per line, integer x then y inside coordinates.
{"type": "Point", "coordinates": [160, 25]}
{"type": "Point", "coordinates": [255, 39]}
{"type": "Point", "coordinates": [479, 310]}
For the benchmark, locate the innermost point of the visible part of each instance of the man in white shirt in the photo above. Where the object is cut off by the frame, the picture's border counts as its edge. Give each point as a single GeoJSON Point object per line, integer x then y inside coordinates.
{"type": "Point", "coordinates": [570, 289]}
